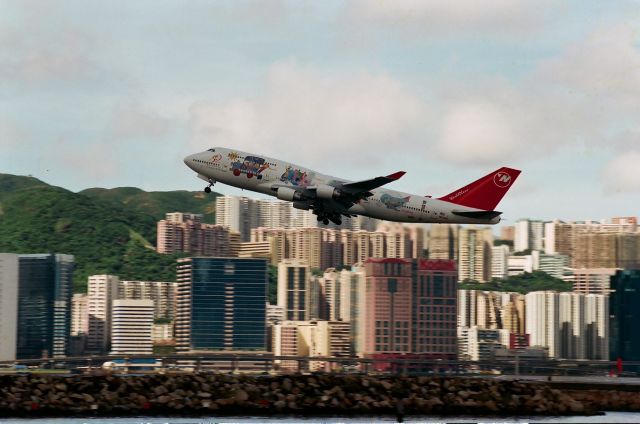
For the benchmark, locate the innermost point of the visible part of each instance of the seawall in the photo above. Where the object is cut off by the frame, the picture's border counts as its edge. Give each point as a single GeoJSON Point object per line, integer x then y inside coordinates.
{"type": "Point", "coordinates": [221, 394]}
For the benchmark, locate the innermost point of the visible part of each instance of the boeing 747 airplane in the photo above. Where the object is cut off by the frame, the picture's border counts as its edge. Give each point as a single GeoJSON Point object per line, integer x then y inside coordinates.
{"type": "Point", "coordinates": [332, 198]}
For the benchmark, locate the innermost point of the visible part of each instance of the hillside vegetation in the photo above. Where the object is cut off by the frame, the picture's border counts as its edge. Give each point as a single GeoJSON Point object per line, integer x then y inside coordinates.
{"type": "Point", "coordinates": [104, 236]}
{"type": "Point", "coordinates": [523, 283]}
{"type": "Point", "coordinates": [158, 203]}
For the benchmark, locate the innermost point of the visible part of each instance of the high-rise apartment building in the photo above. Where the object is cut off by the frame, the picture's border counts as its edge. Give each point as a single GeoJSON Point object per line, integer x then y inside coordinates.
{"type": "Point", "coordinates": [594, 244]}
{"type": "Point", "coordinates": [184, 232]}
{"type": "Point", "coordinates": [500, 261]}
{"type": "Point", "coordinates": [508, 233]}
{"type": "Point", "coordinates": [317, 338]}
{"type": "Point", "coordinates": [132, 327]}
{"type": "Point", "coordinates": [624, 307]}
{"type": "Point", "coordinates": [593, 280]}
{"type": "Point", "coordinates": [35, 301]}
{"type": "Point", "coordinates": [542, 318]}
{"type": "Point", "coordinates": [79, 314]}
{"type": "Point", "coordinates": [102, 290]}
{"type": "Point", "coordinates": [9, 283]}
{"type": "Point", "coordinates": [529, 235]}
{"type": "Point", "coordinates": [294, 289]}
{"type": "Point", "coordinates": [571, 325]}
{"type": "Point", "coordinates": [474, 254]}
{"type": "Point", "coordinates": [443, 241]}
{"type": "Point", "coordinates": [162, 293]}
{"type": "Point", "coordinates": [239, 214]}
{"type": "Point", "coordinates": [491, 310]}
{"type": "Point", "coordinates": [221, 304]}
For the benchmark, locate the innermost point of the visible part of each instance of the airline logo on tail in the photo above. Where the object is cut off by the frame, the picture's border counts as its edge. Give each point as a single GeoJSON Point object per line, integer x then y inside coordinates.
{"type": "Point", "coordinates": [486, 192]}
{"type": "Point", "coordinates": [502, 179]}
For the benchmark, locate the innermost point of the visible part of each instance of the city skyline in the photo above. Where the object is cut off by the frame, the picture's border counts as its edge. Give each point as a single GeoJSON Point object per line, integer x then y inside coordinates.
{"type": "Point", "coordinates": [123, 90]}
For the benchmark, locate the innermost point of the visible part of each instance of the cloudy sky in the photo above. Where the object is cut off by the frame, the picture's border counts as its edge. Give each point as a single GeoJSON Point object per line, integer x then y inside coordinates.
{"type": "Point", "coordinates": [111, 93]}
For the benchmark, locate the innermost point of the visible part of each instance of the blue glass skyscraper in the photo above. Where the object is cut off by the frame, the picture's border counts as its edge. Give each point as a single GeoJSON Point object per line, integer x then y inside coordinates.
{"type": "Point", "coordinates": [624, 308]}
{"type": "Point", "coordinates": [221, 304]}
{"type": "Point", "coordinates": [40, 288]}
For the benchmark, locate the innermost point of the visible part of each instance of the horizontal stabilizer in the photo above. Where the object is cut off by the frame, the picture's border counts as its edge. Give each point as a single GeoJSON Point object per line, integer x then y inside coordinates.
{"type": "Point", "coordinates": [478, 214]}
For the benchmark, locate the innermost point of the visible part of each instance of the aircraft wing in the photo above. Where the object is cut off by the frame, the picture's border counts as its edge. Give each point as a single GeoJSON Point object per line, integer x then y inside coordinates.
{"type": "Point", "coordinates": [363, 187]}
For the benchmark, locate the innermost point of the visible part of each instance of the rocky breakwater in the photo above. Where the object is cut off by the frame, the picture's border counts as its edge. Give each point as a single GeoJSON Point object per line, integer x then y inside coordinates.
{"type": "Point", "coordinates": [219, 394]}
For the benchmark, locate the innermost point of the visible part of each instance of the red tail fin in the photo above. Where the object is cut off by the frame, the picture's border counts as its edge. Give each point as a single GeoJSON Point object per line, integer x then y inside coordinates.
{"type": "Point", "coordinates": [486, 192]}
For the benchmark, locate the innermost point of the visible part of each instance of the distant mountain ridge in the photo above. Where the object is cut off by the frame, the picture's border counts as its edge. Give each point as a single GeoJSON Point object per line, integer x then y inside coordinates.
{"type": "Point", "coordinates": [158, 203]}
{"type": "Point", "coordinates": [109, 231]}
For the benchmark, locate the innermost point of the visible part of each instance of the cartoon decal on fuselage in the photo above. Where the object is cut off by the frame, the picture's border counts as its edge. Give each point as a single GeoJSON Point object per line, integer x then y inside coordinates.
{"type": "Point", "coordinates": [393, 202]}
{"type": "Point", "coordinates": [296, 177]}
{"type": "Point", "coordinates": [251, 165]}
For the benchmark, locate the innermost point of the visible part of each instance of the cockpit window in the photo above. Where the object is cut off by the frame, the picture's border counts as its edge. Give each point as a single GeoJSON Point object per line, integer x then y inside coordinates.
{"type": "Point", "coordinates": [211, 150]}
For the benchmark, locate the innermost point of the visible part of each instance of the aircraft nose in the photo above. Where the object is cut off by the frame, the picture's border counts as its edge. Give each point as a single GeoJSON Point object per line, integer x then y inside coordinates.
{"type": "Point", "coordinates": [189, 161]}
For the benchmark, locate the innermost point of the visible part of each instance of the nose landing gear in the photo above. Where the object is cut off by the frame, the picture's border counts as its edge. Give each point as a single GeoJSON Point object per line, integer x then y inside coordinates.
{"type": "Point", "coordinates": [207, 189]}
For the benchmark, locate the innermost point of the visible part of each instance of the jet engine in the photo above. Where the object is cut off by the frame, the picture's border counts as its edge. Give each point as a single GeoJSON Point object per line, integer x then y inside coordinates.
{"type": "Point", "coordinates": [328, 192]}
{"type": "Point", "coordinates": [301, 205]}
{"type": "Point", "coordinates": [290, 194]}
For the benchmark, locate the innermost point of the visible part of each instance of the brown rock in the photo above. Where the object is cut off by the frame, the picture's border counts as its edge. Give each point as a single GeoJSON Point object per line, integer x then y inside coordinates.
{"type": "Point", "coordinates": [242, 396]}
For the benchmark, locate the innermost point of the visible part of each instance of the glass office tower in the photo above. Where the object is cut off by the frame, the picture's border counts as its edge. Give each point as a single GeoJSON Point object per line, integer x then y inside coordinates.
{"type": "Point", "coordinates": [221, 304]}
{"type": "Point", "coordinates": [44, 305]}
{"type": "Point", "coordinates": [624, 306]}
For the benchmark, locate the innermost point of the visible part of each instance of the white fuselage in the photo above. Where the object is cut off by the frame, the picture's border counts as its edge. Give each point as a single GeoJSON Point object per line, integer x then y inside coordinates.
{"type": "Point", "coordinates": [230, 167]}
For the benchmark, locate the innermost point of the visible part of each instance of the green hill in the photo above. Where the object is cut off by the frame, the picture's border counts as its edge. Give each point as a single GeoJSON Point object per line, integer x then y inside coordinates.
{"type": "Point", "coordinates": [105, 237]}
{"type": "Point", "coordinates": [158, 203]}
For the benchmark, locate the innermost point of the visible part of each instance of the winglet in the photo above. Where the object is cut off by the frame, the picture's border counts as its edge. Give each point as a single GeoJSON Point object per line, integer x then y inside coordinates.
{"type": "Point", "coordinates": [396, 175]}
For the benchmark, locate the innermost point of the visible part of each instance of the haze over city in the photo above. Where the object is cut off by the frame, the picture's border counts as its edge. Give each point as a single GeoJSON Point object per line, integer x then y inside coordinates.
{"type": "Point", "coordinates": [113, 94]}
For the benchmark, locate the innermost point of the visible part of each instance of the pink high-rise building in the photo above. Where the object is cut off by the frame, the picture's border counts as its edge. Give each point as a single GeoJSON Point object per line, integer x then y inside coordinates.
{"type": "Point", "coordinates": [410, 309]}
{"type": "Point", "coordinates": [185, 232]}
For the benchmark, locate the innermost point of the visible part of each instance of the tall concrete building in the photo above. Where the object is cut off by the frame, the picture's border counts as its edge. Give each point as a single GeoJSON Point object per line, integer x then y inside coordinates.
{"type": "Point", "coordinates": [79, 314]}
{"type": "Point", "coordinates": [491, 310]}
{"type": "Point", "coordinates": [221, 304]}
{"type": "Point", "coordinates": [132, 327]}
{"type": "Point", "coordinates": [529, 235]}
{"type": "Point", "coordinates": [508, 233]}
{"type": "Point", "coordinates": [443, 241]}
{"type": "Point", "coordinates": [9, 283]}
{"type": "Point", "coordinates": [593, 280]}
{"type": "Point", "coordinates": [542, 319]}
{"type": "Point", "coordinates": [500, 261]}
{"type": "Point", "coordinates": [102, 290]}
{"type": "Point", "coordinates": [400, 312]}
{"type": "Point", "coordinates": [593, 244]}
{"type": "Point", "coordinates": [317, 338]}
{"type": "Point", "coordinates": [239, 214]}
{"type": "Point", "coordinates": [162, 293]}
{"type": "Point", "coordinates": [183, 232]}
{"type": "Point", "coordinates": [294, 289]}
{"type": "Point", "coordinates": [624, 341]}
{"type": "Point", "coordinates": [474, 254]}
{"type": "Point", "coordinates": [35, 305]}
{"type": "Point", "coordinates": [571, 325]}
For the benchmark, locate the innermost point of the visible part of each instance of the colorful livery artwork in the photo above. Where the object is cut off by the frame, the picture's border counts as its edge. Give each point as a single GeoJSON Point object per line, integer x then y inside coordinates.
{"type": "Point", "coordinates": [393, 202]}
{"type": "Point", "coordinates": [250, 165]}
{"type": "Point", "coordinates": [296, 177]}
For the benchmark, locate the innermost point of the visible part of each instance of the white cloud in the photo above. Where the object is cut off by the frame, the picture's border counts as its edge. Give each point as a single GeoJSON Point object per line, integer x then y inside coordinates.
{"type": "Point", "coordinates": [477, 132]}
{"type": "Point", "coordinates": [130, 120]}
{"type": "Point", "coordinates": [606, 64]}
{"type": "Point", "coordinates": [454, 17]}
{"type": "Point", "coordinates": [622, 174]}
{"type": "Point", "coordinates": [323, 116]}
